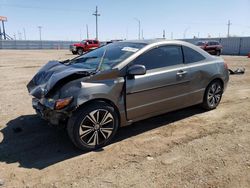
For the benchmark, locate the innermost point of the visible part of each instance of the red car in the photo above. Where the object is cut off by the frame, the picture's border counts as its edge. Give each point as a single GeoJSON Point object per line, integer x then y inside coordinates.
{"type": "Point", "coordinates": [84, 46]}
{"type": "Point", "coordinates": [212, 47]}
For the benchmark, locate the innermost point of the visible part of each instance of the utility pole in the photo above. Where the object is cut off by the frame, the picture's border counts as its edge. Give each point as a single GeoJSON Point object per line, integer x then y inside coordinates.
{"type": "Point", "coordinates": [142, 34]}
{"type": "Point", "coordinates": [228, 28]}
{"type": "Point", "coordinates": [0, 33]}
{"type": "Point", "coordinates": [40, 32]}
{"type": "Point", "coordinates": [24, 34]}
{"type": "Point", "coordinates": [87, 28]}
{"type": "Point", "coordinates": [164, 34]}
{"type": "Point", "coordinates": [126, 33]}
{"type": "Point", "coordinates": [96, 21]}
{"type": "Point", "coordinates": [4, 34]}
{"type": "Point", "coordinates": [19, 35]}
{"type": "Point", "coordinates": [185, 32]}
{"type": "Point", "coordinates": [139, 28]}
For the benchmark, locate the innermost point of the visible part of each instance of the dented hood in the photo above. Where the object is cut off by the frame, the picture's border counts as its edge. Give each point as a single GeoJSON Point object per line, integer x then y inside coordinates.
{"type": "Point", "coordinates": [51, 73]}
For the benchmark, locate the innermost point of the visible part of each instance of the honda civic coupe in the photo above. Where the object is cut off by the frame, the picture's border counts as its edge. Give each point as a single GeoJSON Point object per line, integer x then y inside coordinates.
{"type": "Point", "coordinates": [124, 82]}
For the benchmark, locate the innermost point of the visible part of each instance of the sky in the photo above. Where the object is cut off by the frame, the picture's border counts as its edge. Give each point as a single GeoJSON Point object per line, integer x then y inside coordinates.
{"type": "Point", "coordinates": [66, 20]}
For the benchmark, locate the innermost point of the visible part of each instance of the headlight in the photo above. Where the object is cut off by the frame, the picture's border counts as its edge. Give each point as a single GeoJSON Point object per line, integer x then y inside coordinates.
{"type": "Point", "coordinates": [62, 103]}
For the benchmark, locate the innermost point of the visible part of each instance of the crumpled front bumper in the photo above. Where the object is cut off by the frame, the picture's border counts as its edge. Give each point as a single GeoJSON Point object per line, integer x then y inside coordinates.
{"type": "Point", "coordinates": [53, 116]}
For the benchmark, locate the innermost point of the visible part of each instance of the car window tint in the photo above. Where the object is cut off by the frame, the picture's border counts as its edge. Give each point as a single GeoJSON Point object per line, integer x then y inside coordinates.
{"type": "Point", "coordinates": [191, 55]}
{"type": "Point", "coordinates": [161, 57]}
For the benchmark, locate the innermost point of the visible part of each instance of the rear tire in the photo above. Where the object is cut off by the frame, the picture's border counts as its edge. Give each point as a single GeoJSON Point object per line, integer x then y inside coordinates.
{"type": "Point", "coordinates": [93, 126]}
{"type": "Point", "coordinates": [212, 96]}
{"type": "Point", "coordinates": [218, 52]}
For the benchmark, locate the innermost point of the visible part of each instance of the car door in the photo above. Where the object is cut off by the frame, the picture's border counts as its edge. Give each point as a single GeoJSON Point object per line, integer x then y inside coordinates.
{"type": "Point", "coordinates": [196, 68]}
{"type": "Point", "coordinates": [161, 89]}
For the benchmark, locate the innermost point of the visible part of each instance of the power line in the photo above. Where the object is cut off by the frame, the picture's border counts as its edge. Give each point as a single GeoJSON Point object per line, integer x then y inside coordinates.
{"type": "Point", "coordinates": [96, 21]}
{"type": "Point", "coordinates": [43, 8]}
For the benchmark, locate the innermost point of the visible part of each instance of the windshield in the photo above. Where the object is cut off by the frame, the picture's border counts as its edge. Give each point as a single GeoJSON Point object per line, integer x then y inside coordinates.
{"type": "Point", "coordinates": [106, 57]}
{"type": "Point", "coordinates": [83, 41]}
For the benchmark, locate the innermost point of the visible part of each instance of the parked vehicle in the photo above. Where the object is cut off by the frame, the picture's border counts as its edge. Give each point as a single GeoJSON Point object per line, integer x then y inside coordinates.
{"type": "Point", "coordinates": [84, 46]}
{"type": "Point", "coordinates": [124, 82]}
{"type": "Point", "coordinates": [212, 47]}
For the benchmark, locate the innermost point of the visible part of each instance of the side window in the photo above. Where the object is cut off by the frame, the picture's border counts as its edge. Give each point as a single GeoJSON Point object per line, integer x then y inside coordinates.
{"type": "Point", "coordinates": [90, 42]}
{"type": "Point", "coordinates": [159, 57]}
{"type": "Point", "coordinates": [191, 56]}
{"type": "Point", "coordinates": [95, 42]}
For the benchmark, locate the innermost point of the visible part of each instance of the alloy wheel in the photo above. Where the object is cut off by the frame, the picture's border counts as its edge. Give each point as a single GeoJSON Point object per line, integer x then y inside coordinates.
{"type": "Point", "coordinates": [96, 127]}
{"type": "Point", "coordinates": [214, 94]}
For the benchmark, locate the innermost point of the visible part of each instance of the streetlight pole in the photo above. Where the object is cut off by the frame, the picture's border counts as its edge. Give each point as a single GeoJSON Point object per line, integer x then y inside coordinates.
{"type": "Point", "coordinates": [40, 32]}
{"type": "Point", "coordinates": [139, 27]}
{"type": "Point", "coordinates": [96, 21]}
{"type": "Point", "coordinates": [185, 32]}
{"type": "Point", "coordinates": [87, 31]}
{"type": "Point", "coordinates": [228, 28]}
{"type": "Point", "coordinates": [24, 33]}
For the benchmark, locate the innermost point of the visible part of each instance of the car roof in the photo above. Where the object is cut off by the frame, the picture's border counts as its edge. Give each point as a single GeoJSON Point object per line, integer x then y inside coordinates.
{"type": "Point", "coordinates": [145, 41]}
{"type": "Point", "coordinates": [149, 44]}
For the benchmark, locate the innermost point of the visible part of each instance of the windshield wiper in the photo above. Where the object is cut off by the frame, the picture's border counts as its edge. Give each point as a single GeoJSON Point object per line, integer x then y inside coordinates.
{"type": "Point", "coordinates": [101, 61]}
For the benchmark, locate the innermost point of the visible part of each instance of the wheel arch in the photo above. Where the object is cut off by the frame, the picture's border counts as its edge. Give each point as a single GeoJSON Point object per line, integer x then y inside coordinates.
{"type": "Point", "coordinates": [216, 79]}
{"type": "Point", "coordinates": [212, 80]}
{"type": "Point", "coordinates": [108, 101]}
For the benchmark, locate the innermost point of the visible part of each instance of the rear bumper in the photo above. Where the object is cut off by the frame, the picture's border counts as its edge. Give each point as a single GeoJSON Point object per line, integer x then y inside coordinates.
{"type": "Point", "coordinates": [53, 116]}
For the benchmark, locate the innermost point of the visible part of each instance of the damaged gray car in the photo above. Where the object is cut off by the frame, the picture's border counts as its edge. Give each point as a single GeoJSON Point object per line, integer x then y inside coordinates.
{"type": "Point", "coordinates": [124, 82]}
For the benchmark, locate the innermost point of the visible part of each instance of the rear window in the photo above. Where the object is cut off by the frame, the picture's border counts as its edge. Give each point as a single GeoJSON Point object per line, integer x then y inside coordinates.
{"type": "Point", "coordinates": [160, 57]}
{"type": "Point", "coordinates": [191, 56]}
{"type": "Point", "coordinates": [200, 43]}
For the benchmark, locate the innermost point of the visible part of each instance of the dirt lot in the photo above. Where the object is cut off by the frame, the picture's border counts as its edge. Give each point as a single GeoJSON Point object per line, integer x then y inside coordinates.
{"type": "Point", "coordinates": [187, 148]}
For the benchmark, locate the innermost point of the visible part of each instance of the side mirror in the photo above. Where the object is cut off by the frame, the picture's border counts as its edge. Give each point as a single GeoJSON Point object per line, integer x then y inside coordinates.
{"type": "Point", "coordinates": [136, 70]}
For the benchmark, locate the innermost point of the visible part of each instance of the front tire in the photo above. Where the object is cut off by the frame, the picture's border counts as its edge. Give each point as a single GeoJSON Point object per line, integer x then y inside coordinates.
{"type": "Point", "coordinates": [213, 94]}
{"type": "Point", "coordinates": [218, 52]}
{"type": "Point", "coordinates": [79, 51]}
{"type": "Point", "coordinates": [93, 126]}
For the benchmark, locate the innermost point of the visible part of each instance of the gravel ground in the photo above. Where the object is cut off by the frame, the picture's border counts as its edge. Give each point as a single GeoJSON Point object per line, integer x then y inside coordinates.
{"type": "Point", "coordinates": [186, 148]}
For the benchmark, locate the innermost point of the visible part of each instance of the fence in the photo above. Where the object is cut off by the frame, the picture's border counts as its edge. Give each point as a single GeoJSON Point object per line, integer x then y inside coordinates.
{"type": "Point", "coordinates": [34, 44]}
{"type": "Point", "coordinates": [231, 46]}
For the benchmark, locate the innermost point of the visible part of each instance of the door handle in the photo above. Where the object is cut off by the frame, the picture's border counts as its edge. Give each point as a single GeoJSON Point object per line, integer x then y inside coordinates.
{"type": "Point", "coordinates": [181, 73]}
